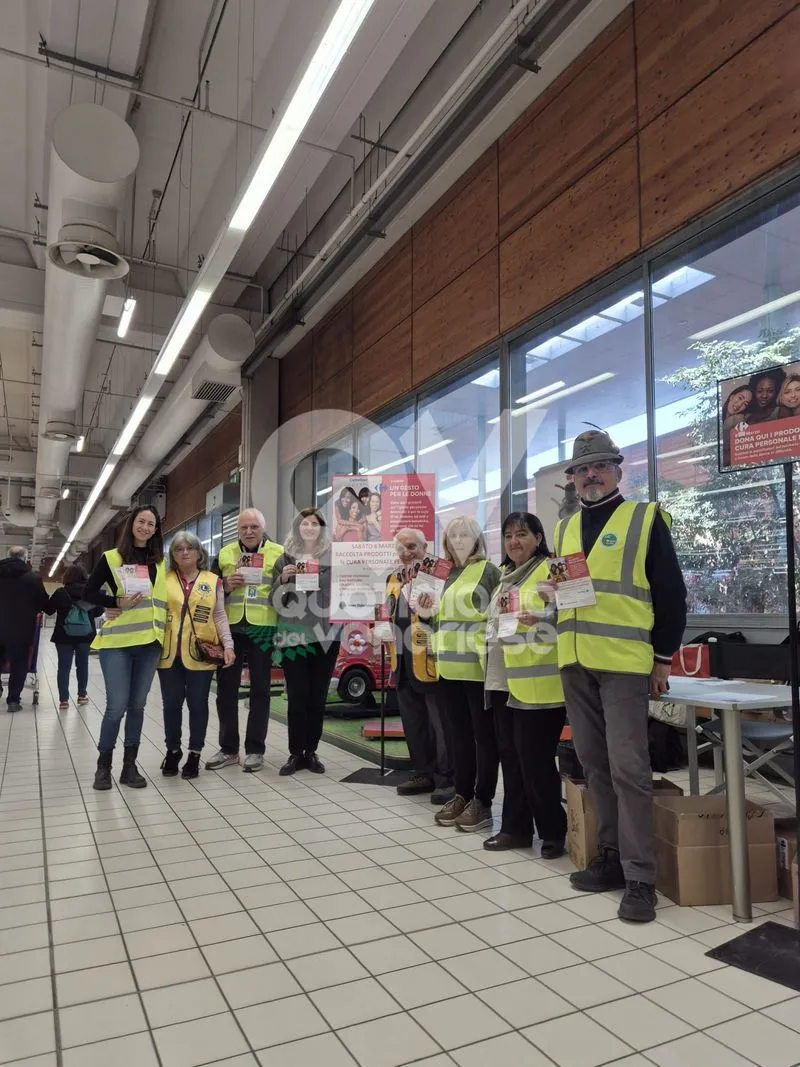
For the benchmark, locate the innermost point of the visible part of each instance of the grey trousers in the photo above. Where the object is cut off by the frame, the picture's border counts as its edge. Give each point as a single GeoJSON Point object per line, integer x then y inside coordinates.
{"type": "Point", "coordinates": [424, 730]}
{"type": "Point", "coordinates": [608, 716]}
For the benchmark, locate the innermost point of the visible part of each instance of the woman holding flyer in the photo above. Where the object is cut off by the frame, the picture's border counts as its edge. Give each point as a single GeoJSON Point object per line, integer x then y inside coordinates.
{"type": "Point", "coordinates": [197, 641]}
{"type": "Point", "coordinates": [523, 689]}
{"type": "Point", "coordinates": [459, 623]}
{"type": "Point", "coordinates": [130, 583]}
{"type": "Point", "coordinates": [307, 642]}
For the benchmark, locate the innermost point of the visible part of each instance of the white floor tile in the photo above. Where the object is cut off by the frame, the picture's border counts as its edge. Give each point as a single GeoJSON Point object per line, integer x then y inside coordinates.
{"type": "Point", "coordinates": [354, 1002]}
{"type": "Point", "coordinates": [585, 986]}
{"type": "Point", "coordinates": [389, 1042]}
{"type": "Point", "coordinates": [639, 1022]}
{"type": "Point", "coordinates": [525, 1003]}
{"type": "Point", "coordinates": [460, 1021]}
{"type": "Point", "coordinates": [759, 1039]}
{"type": "Point", "coordinates": [425, 984]}
{"type": "Point", "coordinates": [324, 1049]}
{"type": "Point", "coordinates": [200, 1041]}
{"type": "Point", "coordinates": [259, 985]}
{"type": "Point", "coordinates": [696, 1050]}
{"type": "Point", "coordinates": [576, 1041]}
{"type": "Point", "coordinates": [279, 1021]}
{"type": "Point", "coordinates": [100, 1020]}
{"type": "Point", "coordinates": [697, 1003]}
{"type": "Point", "coordinates": [133, 1049]}
{"type": "Point", "coordinates": [94, 983]}
{"type": "Point", "coordinates": [327, 968]}
{"type": "Point", "coordinates": [236, 955]}
{"type": "Point", "coordinates": [750, 989]}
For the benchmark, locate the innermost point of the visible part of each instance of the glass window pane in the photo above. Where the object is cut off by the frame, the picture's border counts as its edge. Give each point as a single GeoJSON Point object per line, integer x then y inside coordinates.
{"type": "Point", "coordinates": [459, 442]}
{"type": "Point", "coordinates": [588, 370]}
{"type": "Point", "coordinates": [387, 445]}
{"type": "Point", "coordinates": [335, 458]}
{"type": "Point", "coordinates": [729, 308]}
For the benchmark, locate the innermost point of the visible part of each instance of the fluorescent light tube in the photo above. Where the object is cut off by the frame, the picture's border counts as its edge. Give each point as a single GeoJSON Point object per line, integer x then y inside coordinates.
{"type": "Point", "coordinates": [433, 448]}
{"type": "Point", "coordinates": [324, 492]}
{"type": "Point", "coordinates": [545, 401]}
{"type": "Point", "coordinates": [181, 329]}
{"type": "Point", "coordinates": [343, 27]}
{"type": "Point", "coordinates": [540, 392]}
{"type": "Point", "coordinates": [126, 316]}
{"type": "Point", "coordinates": [65, 492]}
{"type": "Point", "coordinates": [80, 443]}
{"type": "Point", "coordinates": [132, 425]}
{"type": "Point", "coordinates": [746, 316]}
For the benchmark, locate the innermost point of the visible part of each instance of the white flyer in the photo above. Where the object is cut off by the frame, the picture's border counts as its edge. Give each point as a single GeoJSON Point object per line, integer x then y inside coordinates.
{"type": "Point", "coordinates": [134, 578]}
{"type": "Point", "coordinates": [251, 568]}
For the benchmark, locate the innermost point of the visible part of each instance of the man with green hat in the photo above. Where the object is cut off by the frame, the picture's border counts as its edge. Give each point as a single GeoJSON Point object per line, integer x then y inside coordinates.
{"type": "Point", "coordinates": [614, 655]}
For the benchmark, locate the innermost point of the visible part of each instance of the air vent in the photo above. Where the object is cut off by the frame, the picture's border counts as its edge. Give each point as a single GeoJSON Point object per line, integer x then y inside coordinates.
{"type": "Point", "coordinates": [87, 260]}
{"type": "Point", "coordinates": [60, 431]}
{"type": "Point", "coordinates": [213, 392]}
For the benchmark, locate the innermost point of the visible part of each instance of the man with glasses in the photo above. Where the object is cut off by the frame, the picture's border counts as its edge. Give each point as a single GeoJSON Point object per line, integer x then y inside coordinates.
{"type": "Point", "coordinates": [614, 655]}
{"type": "Point", "coordinates": [252, 619]}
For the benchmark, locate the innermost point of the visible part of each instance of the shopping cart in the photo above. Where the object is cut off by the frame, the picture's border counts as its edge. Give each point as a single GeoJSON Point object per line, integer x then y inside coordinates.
{"type": "Point", "coordinates": [33, 659]}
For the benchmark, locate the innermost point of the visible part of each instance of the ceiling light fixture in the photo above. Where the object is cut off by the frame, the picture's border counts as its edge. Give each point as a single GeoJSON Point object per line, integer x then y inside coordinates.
{"type": "Point", "coordinates": [343, 27]}
{"type": "Point", "coordinates": [80, 443]}
{"type": "Point", "coordinates": [126, 316]}
{"type": "Point", "coordinates": [132, 425]}
{"type": "Point", "coordinates": [182, 327]}
{"type": "Point", "coordinates": [65, 492]}
{"type": "Point", "coordinates": [540, 392]}
{"type": "Point", "coordinates": [746, 316]}
{"type": "Point", "coordinates": [433, 448]}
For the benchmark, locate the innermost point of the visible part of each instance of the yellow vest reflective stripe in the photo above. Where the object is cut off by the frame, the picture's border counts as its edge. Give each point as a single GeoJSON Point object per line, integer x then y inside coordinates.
{"type": "Point", "coordinates": [256, 607]}
{"type": "Point", "coordinates": [531, 656]}
{"type": "Point", "coordinates": [613, 634]}
{"type": "Point", "coordinates": [460, 627]}
{"type": "Point", "coordinates": [423, 661]}
{"type": "Point", "coordinates": [135, 626]}
{"type": "Point", "coordinates": [203, 596]}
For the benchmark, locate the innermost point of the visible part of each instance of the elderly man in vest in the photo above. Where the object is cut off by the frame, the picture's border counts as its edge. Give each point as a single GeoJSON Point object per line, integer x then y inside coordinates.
{"type": "Point", "coordinates": [414, 671]}
{"type": "Point", "coordinates": [613, 656]}
{"type": "Point", "coordinates": [247, 581]}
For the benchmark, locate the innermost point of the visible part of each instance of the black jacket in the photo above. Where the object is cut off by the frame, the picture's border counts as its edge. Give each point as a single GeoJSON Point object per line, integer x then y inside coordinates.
{"type": "Point", "coordinates": [60, 603]}
{"type": "Point", "coordinates": [22, 597]}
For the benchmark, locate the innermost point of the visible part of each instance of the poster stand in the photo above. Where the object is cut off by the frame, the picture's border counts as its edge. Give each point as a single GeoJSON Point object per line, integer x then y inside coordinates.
{"type": "Point", "coordinates": [379, 775]}
{"type": "Point", "coordinates": [794, 637]}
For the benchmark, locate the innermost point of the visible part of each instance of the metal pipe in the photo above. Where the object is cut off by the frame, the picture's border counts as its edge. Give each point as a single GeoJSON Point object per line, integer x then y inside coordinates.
{"type": "Point", "coordinates": [737, 814]}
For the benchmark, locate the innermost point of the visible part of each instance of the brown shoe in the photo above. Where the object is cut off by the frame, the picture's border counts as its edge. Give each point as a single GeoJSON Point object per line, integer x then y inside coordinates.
{"type": "Point", "coordinates": [502, 842]}
{"type": "Point", "coordinates": [418, 783]}
{"type": "Point", "coordinates": [447, 815]}
{"type": "Point", "coordinates": [476, 816]}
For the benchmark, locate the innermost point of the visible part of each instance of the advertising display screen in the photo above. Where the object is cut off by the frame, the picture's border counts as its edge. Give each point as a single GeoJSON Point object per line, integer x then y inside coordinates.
{"type": "Point", "coordinates": [759, 418]}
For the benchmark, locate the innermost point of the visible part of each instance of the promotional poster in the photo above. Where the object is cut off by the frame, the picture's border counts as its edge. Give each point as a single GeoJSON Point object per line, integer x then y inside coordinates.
{"type": "Point", "coordinates": [759, 418]}
{"type": "Point", "coordinates": [366, 513]}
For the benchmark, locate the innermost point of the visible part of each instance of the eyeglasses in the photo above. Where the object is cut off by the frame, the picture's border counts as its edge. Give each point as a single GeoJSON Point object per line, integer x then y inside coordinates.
{"type": "Point", "coordinates": [184, 548]}
{"type": "Point", "coordinates": [602, 466]}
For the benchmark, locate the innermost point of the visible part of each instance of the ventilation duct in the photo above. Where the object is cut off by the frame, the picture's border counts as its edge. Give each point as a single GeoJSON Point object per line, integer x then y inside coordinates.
{"type": "Point", "coordinates": [13, 511]}
{"type": "Point", "coordinates": [94, 152]}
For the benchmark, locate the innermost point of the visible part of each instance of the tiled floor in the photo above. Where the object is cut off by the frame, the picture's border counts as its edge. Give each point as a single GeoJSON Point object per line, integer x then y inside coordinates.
{"type": "Point", "coordinates": [251, 919]}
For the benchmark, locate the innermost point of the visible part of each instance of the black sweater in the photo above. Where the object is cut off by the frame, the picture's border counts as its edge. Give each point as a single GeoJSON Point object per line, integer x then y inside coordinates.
{"type": "Point", "coordinates": [102, 575]}
{"type": "Point", "coordinates": [60, 603]}
{"type": "Point", "coordinates": [661, 567]}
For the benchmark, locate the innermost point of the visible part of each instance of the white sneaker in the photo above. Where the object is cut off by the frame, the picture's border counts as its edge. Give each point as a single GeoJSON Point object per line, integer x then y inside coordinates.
{"type": "Point", "coordinates": [253, 761]}
{"type": "Point", "coordinates": [221, 759]}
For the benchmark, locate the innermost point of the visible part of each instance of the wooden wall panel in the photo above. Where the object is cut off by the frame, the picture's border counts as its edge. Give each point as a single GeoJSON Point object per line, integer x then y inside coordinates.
{"type": "Point", "coordinates": [384, 371]}
{"type": "Point", "coordinates": [739, 124]}
{"type": "Point", "coordinates": [333, 343]}
{"type": "Point", "coordinates": [460, 319]}
{"type": "Point", "coordinates": [591, 117]}
{"type": "Point", "coordinates": [333, 405]}
{"type": "Point", "coordinates": [449, 241]}
{"type": "Point", "coordinates": [590, 228]}
{"type": "Point", "coordinates": [209, 464]}
{"type": "Point", "coordinates": [296, 377]}
{"type": "Point", "coordinates": [383, 298]}
{"type": "Point", "coordinates": [680, 42]}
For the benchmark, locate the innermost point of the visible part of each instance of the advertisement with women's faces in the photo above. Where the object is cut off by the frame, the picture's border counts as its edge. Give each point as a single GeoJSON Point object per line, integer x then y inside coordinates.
{"type": "Point", "coordinates": [759, 418]}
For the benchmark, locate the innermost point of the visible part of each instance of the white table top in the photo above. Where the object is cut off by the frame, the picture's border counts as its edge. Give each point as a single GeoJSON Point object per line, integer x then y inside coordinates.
{"type": "Point", "coordinates": [729, 695]}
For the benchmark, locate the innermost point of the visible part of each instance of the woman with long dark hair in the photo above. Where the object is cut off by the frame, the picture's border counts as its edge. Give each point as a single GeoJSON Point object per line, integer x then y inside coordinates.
{"type": "Point", "coordinates": [523, 689]}
{"type": "Point", "coordinates": [305, 638]}
{"type": "Point", "coordinates": [129, 582]}
{"type": "Point", "coordinates": [73, 632]}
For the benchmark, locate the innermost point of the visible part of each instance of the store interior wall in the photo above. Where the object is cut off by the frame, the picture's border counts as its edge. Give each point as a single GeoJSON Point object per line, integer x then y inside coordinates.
{"type": "Point", "coordinates": [206, 466]}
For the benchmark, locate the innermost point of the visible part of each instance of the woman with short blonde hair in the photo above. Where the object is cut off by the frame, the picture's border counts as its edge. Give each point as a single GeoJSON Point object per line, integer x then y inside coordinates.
{"type": "Point", "coordinates": [464, 524]}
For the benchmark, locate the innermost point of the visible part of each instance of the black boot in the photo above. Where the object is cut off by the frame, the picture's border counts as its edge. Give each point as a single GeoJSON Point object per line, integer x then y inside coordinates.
{"type": "Point", "coordinates": [293, 763]}
{"type": "Point", "coordinates": [130, 773]}
{"type": "Point", "coordinates": [171, 762]}
{"type": "Point", "coordinates": [102, 776]}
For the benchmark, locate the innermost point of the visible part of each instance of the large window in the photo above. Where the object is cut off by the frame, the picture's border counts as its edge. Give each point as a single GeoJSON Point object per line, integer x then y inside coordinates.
{"type": "Point", "coordinates": [728, 309]}
{"type": "Point", "coordinates": [388, 445]}
{"type": "Point", "coordinates": [584, 371]}
{"type": "Point", "coordinates": [335, 458]}
{"type": "Point", "coordinates": [459, 441]}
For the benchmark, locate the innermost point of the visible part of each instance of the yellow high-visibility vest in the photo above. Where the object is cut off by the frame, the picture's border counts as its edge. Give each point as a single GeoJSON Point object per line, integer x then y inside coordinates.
{"type": "Point", "coordinates": [201, 603]}
{"type": "Point", "coordinates": [134, 626]}
{"type": "Point", "coordinates": [613, 634]}
{"type": "Point", "coordinates": [250, 602]}
{"type": "Point", "coordinates": [423, 661]}
{"type": "Point", "coordinates": [531, 656]}
{"type": "Point", "coordinates": [459, 628]}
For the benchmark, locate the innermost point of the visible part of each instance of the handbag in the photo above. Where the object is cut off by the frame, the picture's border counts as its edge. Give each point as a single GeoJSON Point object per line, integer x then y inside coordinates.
{"type": "Point", "coordinates": [692, 661]}
{"type": "Point", "coordinates": [205, 651]}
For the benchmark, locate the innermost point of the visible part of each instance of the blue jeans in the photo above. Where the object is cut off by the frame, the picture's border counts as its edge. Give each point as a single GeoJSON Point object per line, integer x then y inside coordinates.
{"type": "Point", "coordinates": [128, 674]}
{"type": "Point", "coordinates": [177, 684]}
{"type": "Point", "coordinates": [65, 654]}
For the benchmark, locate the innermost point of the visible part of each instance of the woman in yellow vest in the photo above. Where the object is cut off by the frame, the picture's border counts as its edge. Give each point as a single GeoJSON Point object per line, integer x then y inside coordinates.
{"type": "Point", "coordinates": [195, 613]}
{"type": "Point", "coordinates": [130, 583]}
{"type": "Point", "coordinates": [523, 689]}
{"type": "Point", "coordinates": [459, 623]}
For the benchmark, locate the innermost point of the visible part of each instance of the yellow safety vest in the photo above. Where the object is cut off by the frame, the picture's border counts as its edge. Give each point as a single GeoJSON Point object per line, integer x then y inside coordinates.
{"type": "Point", "coordinates": [202, 601]}
{"type": "Point", "coordinates": [460, 627]}
{"type": "Point", "coordinates": [250, 602]}
{"type": "Point", "coordinates": [531, 656]}
{"type": "Point", "coordinates": [423, 661]}
{"type": "Point", "coordinates": [613, 634]}
{"type": "Point", "coordinates": [134, 626]}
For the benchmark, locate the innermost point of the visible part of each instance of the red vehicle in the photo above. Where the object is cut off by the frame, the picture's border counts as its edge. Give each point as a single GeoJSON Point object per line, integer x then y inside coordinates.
{"type": "Point", "coordinates": [357, 673]}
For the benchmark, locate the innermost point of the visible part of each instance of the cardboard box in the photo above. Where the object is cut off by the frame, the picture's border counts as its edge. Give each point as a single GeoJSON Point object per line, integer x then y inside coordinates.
{"type": "Point", "coordinates": [693, 854]}
{"type": "Point", "coordinates": [582, 821]}
{"type": "Point", "coordinates": [785, 851]}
